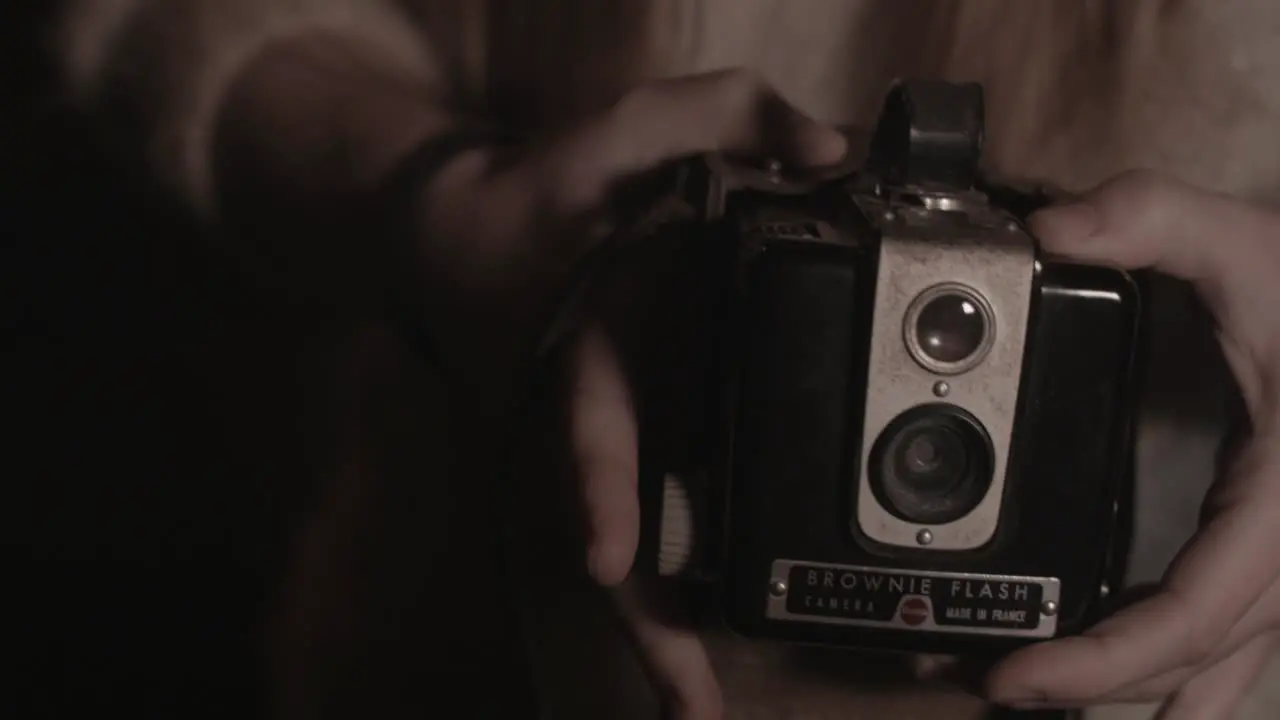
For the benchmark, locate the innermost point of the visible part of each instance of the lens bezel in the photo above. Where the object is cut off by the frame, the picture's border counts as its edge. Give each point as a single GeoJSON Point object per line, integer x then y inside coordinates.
{"type": "Point", "coordinates": [905, 504]}
{"type": "Point", "coordinates": [912, 340]}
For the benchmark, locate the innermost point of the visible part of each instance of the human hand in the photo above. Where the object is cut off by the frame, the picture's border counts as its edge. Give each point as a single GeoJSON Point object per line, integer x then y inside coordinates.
{"type": "Point", "coordinates": [1202, 639]}
{"type": "Point", "coordinates": [500, 231]}
{"type": "Point", "coordinates": [633, 369]}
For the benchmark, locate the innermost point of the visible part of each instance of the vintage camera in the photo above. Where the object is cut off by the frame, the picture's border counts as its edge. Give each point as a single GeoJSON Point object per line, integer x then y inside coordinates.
{"type": "Point", "coordinates": [927, 422]}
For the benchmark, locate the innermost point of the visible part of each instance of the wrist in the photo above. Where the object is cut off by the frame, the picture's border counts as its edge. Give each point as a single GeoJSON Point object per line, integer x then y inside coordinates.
{"type": "Point", "coordinates": [306, 132]}
{"type": "Point", "coordinates": [416, 209]}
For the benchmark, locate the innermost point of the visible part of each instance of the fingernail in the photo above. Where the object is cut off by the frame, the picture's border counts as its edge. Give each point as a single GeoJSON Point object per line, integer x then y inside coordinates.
{"type": "Point", "coordinates": [1022, 700]}
{"type": "Point", "coordinates": [1067, 224]}
{"type": "Point", "coordinates": [594, 562]}
{"type": "Point", "coordinates": [601, 567]}
{"type": "Point", "coordinates": [826, 148]}
{"type": "Point", "coordinates": [835, 148]}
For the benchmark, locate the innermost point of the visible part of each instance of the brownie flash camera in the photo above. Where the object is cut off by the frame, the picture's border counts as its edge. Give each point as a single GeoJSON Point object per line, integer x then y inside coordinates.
{"type": "Point", "coordinates": [927, 425]}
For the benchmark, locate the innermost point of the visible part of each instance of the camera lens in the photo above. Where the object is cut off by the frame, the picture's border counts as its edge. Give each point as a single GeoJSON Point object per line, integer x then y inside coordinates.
{"type": "Point", "coordinates": [949, 329]}
{"type": "Point", "coordinates": [931, 465]}
{"type": "Point", "coordinates": [929, 456]}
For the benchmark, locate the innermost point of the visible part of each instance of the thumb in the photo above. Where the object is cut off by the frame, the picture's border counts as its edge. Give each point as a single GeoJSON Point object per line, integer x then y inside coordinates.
{"type": "Point", "coordinates": [1229, 249]}
{"type": "Point", "coordinates": [604, 446]}
{"type": "Point", "coordinates": [1145, 219]}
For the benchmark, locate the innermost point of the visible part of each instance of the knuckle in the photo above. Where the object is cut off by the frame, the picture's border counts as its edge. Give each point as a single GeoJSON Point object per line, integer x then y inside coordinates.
{"type": "Point", "coordinates": [1269, 644]}
{"type": "Point", "coordinates": [571, 180]}
{"type": "Point", "coordinates": [741, 102]}
{"type": "Point", "coordinates": [743, 80]}
{"type": "Point", "coordinates": [1199, 637]}
{"type": "Point", "coordinates": [1142, 193]}
{"type": "Point", "coordinates": [1141, 178]}
{"type": "Point", "coordinates": [631, 104]}
{"type": "Point", "coordinates": [1132, 203]}
{"type": "Point", "coordinates": [741, 88]}
{"type": "Point", "coordinates": [1198, 647]}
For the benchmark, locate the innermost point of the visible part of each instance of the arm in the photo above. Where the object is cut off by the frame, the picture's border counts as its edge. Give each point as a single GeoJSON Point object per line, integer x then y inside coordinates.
{"type": "Point", "coordinates": [276, 87]}
{"type": "Point", "coordinates": [304, 102]}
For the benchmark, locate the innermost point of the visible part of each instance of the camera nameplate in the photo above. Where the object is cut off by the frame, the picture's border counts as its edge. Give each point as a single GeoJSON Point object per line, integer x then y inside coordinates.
{"type": "Point", "coordinates": [913, 600]}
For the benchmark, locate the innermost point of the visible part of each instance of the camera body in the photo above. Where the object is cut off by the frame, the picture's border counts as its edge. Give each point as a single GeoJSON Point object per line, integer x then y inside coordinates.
{"type": "Point", "coordinates": [927, 423]}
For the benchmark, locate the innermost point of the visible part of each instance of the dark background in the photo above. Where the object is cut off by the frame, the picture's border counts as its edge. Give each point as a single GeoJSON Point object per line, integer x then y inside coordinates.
{"type": "Point", "coordinates": [151, 403]}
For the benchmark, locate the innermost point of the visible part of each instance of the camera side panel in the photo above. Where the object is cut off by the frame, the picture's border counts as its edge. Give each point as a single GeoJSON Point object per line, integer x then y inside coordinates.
{"type": "Point", "coordinates": [802, 327]}
{"type": "Point", "coordinates": [1072, 466]}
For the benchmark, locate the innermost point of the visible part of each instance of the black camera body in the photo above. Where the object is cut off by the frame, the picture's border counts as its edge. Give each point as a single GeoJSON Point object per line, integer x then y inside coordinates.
{"type": "Point", "coordinates": [927, 423]}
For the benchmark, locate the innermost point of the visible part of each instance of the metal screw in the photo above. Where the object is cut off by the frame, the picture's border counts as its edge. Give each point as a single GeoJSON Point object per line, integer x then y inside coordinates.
{"type": "Point", "coordinates": [1049, 608]}
{"type": "Point", "coordinates": [924, 537]}
{"type": "Point", "coordinates": [942, 388]}
{"type": "Point", "coordinates": [1012, 226]}
{"type": "Point", "coordinates": [774, 168]}
{"type": "Point", "coordinates": [1104, 591]}
{"type": "Point", "coordinates": [777, 588]}
{"type": "Point", "coordinates": [889, 216]}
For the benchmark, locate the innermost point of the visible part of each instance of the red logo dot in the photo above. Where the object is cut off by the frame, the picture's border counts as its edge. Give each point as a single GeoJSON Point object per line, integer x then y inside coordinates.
{"type": "Point", "coordinates": [914, 611]}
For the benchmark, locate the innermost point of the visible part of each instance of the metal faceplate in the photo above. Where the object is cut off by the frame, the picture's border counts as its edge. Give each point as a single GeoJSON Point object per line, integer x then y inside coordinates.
{"type": "Point", "coordinates": [922, 247]}
{"type": "Point", "coordinates": [914, 600]}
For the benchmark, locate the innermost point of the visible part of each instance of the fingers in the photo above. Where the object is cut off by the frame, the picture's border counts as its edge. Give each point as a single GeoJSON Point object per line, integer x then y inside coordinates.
{"type": "Point", "coordinates": [731, 111]}
{"type": "Point", "coordinates": [1145, 219]}
{"type": "Point", "coordinates": [1210, 691]}
{"type": "Point", "coordinates": [604, 446]}
{"type": "Point", "coordinates": [1227, 247]}
{"type": "Point", "coordinates": [605, 449]}
{"type": "Point", "coordinates": [604, 442]}
{"type": "Point", "coordinates": [673, 654]}
{"type": "Point", "coordinates": [1257, 622]}
{"type": "Point", "coordinates": [1219, 576]}
{"type": "Point", "coordinates": [1216, 693]}
{"type": "Point", "coordinates": [1221, 668]}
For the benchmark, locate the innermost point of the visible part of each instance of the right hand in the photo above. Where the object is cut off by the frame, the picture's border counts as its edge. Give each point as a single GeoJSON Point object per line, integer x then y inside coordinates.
{"type": "Point", "coordinates": [500, 238]}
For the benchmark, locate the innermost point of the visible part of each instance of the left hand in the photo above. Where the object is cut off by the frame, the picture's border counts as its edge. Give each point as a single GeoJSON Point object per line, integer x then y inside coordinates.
{"type": "Point", "coordinates": [1200, 642]}
{"type": "Point", "coordinates": [636, 371]}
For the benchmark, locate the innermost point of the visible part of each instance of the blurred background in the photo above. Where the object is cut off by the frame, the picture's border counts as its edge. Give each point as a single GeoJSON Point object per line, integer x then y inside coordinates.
{"type": "Point", "coordinates": [145, 386]}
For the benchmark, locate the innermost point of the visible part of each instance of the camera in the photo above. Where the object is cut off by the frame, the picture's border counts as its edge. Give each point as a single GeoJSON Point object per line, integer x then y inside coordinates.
{"type": "Point", "coordinates": [926, 424]}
